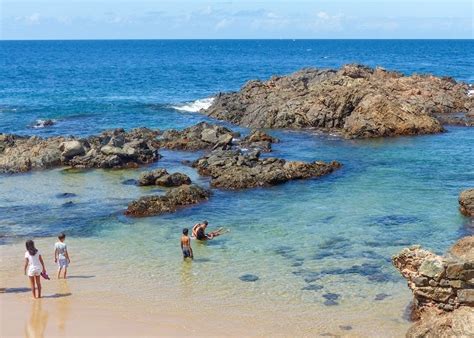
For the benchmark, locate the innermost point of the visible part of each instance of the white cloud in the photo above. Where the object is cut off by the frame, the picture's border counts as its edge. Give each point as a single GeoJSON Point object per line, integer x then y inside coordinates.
{"type": "Point", "coordinates": [32, 19]}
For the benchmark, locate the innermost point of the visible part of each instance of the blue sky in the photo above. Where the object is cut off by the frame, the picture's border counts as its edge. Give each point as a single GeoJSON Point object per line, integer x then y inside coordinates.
{"type": "Point", "coordinates": [178, 19]}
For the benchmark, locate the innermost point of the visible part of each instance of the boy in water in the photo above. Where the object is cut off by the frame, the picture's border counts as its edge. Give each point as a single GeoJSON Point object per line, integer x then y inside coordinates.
{"type": "Point", "coordinates": [61, 256]}
{"type": "Point", "coordinates": [186, 245]}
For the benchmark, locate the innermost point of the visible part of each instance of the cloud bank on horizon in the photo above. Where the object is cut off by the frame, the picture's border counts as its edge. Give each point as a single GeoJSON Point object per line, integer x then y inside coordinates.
{"type": "Point", "coordinates": [244, 19]}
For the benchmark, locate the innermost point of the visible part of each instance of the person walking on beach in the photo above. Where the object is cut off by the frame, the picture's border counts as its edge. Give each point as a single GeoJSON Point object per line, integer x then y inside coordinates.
{"type": "Point", "coordinates": [199, 232]}
{"type": "Point", "coordinates": [186, 245]}
{"type": "Point", "coordinates": [61, 255]}
{"type": "Point", "coordinates": [34, 266]}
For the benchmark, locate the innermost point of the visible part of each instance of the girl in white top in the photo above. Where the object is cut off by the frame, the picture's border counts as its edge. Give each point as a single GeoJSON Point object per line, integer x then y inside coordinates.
{"type": "Point", "coordinates": [34, 263]}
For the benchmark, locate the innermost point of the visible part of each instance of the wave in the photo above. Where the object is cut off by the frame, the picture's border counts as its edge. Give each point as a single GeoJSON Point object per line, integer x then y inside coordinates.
{"type": "Point", "coordinates": [44, 123]}
{"type": "Point", "coordinates": [195, 106]}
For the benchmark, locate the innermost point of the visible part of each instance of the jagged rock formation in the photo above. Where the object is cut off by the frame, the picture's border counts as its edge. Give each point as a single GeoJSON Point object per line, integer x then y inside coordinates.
{"type": "Point", "coordinates": [234, 169]}
{"type": "Point", "coordinates": [205, 136]}
{"type": "Point", "coordinates": [174, 199]}
{"type": "Point", "coordinates": [111, 149]}
{"type": "Point", "coordinates": [443, 289]}
{"type": "Point", "coordinates": [466, 202]}
{"type": "Point", "coordinates": [161, 177]}
{"type": "Point", "coordinates": [355, 101]}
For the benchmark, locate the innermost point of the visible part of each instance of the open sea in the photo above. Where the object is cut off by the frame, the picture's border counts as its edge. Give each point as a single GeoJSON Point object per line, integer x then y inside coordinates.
{"type": "Point", "coordinates": [320, 248]}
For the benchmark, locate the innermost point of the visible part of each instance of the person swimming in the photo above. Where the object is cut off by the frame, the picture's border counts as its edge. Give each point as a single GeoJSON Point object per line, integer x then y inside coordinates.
{"type": "Point", "coordinates": [199, 232]}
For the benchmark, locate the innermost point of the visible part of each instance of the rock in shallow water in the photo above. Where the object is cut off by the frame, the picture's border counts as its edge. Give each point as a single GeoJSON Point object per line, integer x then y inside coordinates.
{"type": "Point", "coordinates": [233, 169]}
{"type": "Point", "coordinates": [355, 100]}
{"type": "Point", "coordinates": [443, 289]}
{"type": "Point", "coordinates": [466, 202]}
{"type": "Point", "coordinates": [248, 278]}
{"type": "Point", "coordinates": [173, 200]}
{"type": "Point", "coordinates": [111, 149]}
{"type": "Point", "coordinates": [161, 177]}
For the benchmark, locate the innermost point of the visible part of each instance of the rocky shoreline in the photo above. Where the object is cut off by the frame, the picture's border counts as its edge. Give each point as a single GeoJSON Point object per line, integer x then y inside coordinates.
{"type": "Point", "coordinates": [355, 101]}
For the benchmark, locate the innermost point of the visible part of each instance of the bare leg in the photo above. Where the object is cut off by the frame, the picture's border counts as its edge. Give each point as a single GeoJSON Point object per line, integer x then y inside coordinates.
{"type": "Point", "coordinates": [59, 273]}
{"type": "Point", "coordinates": [38, 285]}
{"type": "Point", "coordinates": [32, 283]}
{"type": "Point", "coordinates": [65, 272]}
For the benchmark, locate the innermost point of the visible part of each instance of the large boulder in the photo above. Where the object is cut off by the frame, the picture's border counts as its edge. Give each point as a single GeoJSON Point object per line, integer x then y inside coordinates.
{"type": "Point", "coordinates": [443, 289]}
{"type": "Point", "coordinates": [161, 177]}
{"type": "Point", "coordinates": [234, 169]}
{"type": "Point", "coordinates": [433, 324]}
{"type": "Point", "coordinates": [174, 199]}
{"type": "Point", "coordinates": [466, 202]}
{"type": "Point", "coordinates": [355, 101]}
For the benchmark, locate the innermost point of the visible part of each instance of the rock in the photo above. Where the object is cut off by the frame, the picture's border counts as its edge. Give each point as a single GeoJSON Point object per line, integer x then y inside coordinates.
{"type": "Point", "coordinates": [173, 200]}
{"type": "Point", "coordinates": [66, 195]}
{"type": "Point", "coordinates": [457, 323]}
{"type": "Point", "coordinates": [463, 249]}
{"type": "Point", "coordinates": [72, 148]}
{"type": "Point", "coordinates": [248, 278]}
{"type": "Point", "coordinates": [259, 140]}
{"type": "Point", "coordinates": [466, 297]}
{"type": "Point", "coordinates": [381, 296]}
{"type": "Point", "coordinates": [345, 327]}
{"type": "Point", "coordinates": [355, 101]}
{"type": "Point", "coordinates": [443, 295]}
{"type": "Point", "coordinates": [162, 178]}
{"type": "Point", "coordinates": [466, 202]}
{"type": "Point", "coordinates": [199, 137]}
{"type": "Point", "coordinates": [233, 169]}
{"type": "Point", "coordinates": [21, 154]}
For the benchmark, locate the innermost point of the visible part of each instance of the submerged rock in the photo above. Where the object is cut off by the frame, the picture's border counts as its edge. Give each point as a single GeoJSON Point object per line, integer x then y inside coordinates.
{"type": "Point", "coordinates": [233, 169]}
{"type": "Point", "coordinates": [356, 101]}
{"type": "Point", "coordinates": [248, 278]}
{"type": "Point", "coordinates": [173, 200]}
{"type": "Point", "coordinates": [466, 202]}
{"type": "Point", "coordinates": [111, 149]}
{"type": "Point", "coordinates": [443, 289]}
{"type": "Point", "coordinates": [161, 177]}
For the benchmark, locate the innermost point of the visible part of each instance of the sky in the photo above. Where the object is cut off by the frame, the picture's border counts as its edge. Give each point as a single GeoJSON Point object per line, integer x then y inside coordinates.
{"type": "Point", "coordinates": [243, 19]}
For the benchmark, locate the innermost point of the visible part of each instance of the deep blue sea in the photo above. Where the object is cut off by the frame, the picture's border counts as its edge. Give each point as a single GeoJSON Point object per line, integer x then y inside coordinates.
{"type": "Point", "coordinates": [390, 193]}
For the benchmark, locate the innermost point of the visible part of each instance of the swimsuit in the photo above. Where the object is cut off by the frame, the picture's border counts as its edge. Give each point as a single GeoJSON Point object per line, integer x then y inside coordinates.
{"type": "Point", "coordinates": [186, 252]}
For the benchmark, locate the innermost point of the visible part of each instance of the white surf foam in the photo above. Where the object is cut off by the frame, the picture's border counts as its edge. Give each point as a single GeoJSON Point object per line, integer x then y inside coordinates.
{"type": "Point", "coordinates": [470, 92]}
{"type": "Point", "coordinates": [195, 106]}
{"type": "Point", "coordinates": [44, 123]}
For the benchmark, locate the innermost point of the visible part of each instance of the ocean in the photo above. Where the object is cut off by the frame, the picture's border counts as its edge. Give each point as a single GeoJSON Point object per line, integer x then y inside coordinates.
{"type": "Point", "coordinates": [320, 248]}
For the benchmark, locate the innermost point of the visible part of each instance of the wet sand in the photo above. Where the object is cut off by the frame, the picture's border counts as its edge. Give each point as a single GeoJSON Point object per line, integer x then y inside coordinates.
{"type": "Point", "coordinates": [102, 298]}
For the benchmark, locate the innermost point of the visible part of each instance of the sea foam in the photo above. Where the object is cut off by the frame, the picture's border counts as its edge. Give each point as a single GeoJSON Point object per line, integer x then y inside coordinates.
{"type": "Point", "coordinates": [195, 106]}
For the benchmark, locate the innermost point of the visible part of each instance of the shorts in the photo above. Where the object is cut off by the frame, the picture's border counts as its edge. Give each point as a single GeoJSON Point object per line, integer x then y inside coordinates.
{"type": "Point", "coordinates": [33, 271]}
{"type": "Point", "coordinates": [62, 263]}
{"type": "Point", "coordinates": [186, 252]}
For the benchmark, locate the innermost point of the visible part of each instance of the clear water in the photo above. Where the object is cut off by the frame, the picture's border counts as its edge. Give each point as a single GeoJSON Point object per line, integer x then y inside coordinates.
{"type": "Point", "coordinates": [390, 193]}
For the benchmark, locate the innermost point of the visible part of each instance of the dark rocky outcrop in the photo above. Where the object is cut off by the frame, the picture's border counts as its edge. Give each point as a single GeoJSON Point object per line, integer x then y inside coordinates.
{"type": "Point", "coordinates": [198, 137]}
{"type": "Point", "coordinates": [466, 202]}
{"type": "Point", "coordinates": [161, 177]}
{"type": "Point", "coordinates": [111, 149]}
{"type": "Point", "coordinates": [443, 289]}
{"type": "Point", "coordinates": [205, 136]}
{"type": "Point", "coordinates": [355, 101]}
{"type": "Point", "coordinates": [174, 199]}
{"type": "Point", "coordinates": [234, 169]}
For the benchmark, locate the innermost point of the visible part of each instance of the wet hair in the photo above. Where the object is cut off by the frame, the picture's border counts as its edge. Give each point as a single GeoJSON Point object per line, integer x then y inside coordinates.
{"type": "Point", "coordinates": [205, 222]}
{"type": "Point", "coordinates": [185, 231]}
{"type": "Point", "coordinates": [62, 235]}
{"type": "Point", "coordinates": [30, 247]}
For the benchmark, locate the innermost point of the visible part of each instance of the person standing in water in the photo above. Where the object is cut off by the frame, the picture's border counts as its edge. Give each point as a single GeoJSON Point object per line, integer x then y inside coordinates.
{"type": "Point", "coordinates": [61, 255]}
{"type": "Point", "coordinates": [186, 245]}
{"type": "Point", "coordinates": [35, 265]}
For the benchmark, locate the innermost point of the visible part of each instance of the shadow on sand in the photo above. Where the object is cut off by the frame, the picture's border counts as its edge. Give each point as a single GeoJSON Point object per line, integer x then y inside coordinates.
{"type": "Point", "coordinates": [14, 290]}
{"type": "Point", "coordinates": [58, 295]}
{"type": "Point", "coordinates": [82, 277]}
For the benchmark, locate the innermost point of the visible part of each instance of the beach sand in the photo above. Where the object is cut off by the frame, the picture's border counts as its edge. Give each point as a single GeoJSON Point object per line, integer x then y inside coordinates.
{"type": "Point", "coordinates": [103, 297]}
